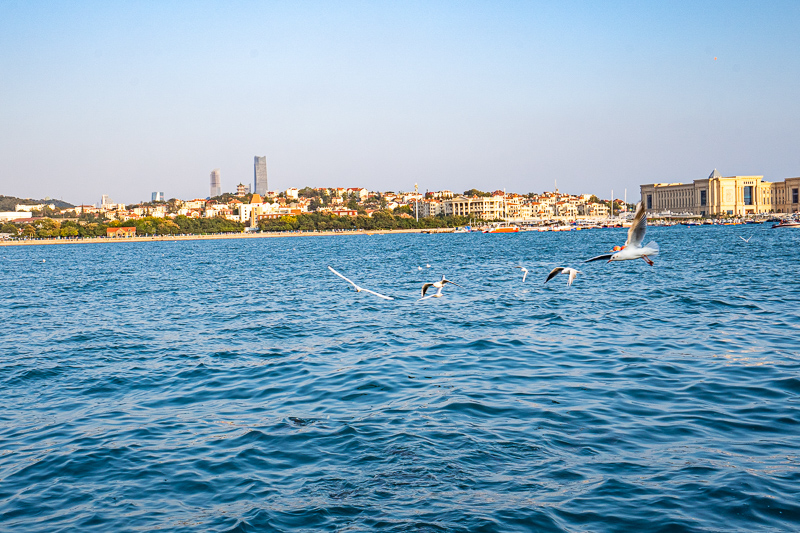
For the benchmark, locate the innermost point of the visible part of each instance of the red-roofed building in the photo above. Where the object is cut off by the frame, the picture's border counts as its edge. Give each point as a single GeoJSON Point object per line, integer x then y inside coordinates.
{"type": "Point", "coordinates": [121, 232]}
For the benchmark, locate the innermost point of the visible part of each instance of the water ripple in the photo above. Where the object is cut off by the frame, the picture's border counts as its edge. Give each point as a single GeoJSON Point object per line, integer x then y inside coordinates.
{"type": "Point", "coordinates": [238, 386]}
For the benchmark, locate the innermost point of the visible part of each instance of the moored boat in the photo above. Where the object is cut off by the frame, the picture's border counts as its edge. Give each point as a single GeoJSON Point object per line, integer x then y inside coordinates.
{"type": "Point", "coordinates": [502, 227]}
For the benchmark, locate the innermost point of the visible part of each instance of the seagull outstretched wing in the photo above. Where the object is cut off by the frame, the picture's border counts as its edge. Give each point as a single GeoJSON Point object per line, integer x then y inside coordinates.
{"type": "Point", "coordinates": [378, 294]}
{"type": "Point", "coordinates": [553, 273]}
{"type": "Point", "coordinates": [599, 257]}
{"type": "Point", "coordinates": [425, 287]}
{"type": "Point", "coordinates": [344, 278]}
{"type": "Point", "coordinates": [360, 289]}
{"type": "Point", "coordinates": [638, 228]}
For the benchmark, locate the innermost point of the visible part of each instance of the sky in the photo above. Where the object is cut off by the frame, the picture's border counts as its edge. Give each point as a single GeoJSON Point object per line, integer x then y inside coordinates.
{"type": "Point", "coordinates": [126, 98]}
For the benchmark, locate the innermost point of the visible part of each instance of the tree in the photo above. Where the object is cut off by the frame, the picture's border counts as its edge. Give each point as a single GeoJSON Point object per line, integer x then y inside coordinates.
{"type": "Point", "coordinates": [48, 228]}
{"type": "Point", "coordinates": [476, 192]}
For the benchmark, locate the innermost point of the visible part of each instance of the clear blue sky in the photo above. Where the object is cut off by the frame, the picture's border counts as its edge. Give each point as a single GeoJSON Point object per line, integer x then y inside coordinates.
{"type": "Point", "coordinates": [125, 98]}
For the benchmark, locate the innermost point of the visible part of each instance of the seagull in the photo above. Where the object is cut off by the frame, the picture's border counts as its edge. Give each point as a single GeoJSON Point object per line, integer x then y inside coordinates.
{"type": "Point", "coordinates": [524, 273]}
{"type": "Point", "coordinates": [360, 289]}
{"type": "Point", "coordinates": [633, 248]}
{"type": "Point", "coordinates": [571, 272]}
{"type": "Point", "coordinates": [747, 239]}
{"type": "Point", "coordinates": [438, 285]}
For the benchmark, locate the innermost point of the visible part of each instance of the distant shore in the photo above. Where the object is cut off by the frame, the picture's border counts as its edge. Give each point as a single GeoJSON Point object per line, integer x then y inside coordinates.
{"type": "Point", "coordinates": [214, 236]}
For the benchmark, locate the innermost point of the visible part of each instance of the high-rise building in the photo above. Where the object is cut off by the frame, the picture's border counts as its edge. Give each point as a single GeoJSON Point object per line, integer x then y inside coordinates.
{"type": "Point", "coordinates": [105, 200]}
{"type": "Point", "coordinates": [157, 197]}
{"type": "Point", "coordinates": [216, 183]}
{"type": "Point", "coordinates": [260, 175]}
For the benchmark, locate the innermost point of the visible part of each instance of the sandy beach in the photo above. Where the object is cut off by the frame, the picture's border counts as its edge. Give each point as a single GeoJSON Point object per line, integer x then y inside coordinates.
{"type": "Point", "coordinates": [151, 238]}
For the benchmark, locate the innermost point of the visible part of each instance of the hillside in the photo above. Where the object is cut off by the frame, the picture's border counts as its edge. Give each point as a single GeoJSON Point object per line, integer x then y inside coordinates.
{"type": "Point", "coordinates": [8, 203]}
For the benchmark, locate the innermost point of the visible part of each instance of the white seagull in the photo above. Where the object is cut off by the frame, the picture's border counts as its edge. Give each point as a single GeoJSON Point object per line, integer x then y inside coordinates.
{"type": "Point", "coordinates": [571, 272]}
{"type": "Point", "coordinates": [438, 285]}
{"type": "Point", "coordinates": [747, 239]}
{"type": "Point", "coordinates": [633, 248]}
{"type": "Point", "coordinates": [524, 273]}
{"type": "Point", "coordinates": [361, 289]}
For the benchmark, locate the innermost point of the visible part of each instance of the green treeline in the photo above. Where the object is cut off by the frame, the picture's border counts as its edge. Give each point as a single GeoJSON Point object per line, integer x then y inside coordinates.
{"type": "Point", "coordinates": [378, 220]}
{"type": "Point", "coordinates": [48, 228]}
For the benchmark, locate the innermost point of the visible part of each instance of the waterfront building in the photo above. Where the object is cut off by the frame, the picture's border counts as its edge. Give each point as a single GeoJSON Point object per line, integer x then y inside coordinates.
{"type": "Point", "coordinates": [720, 195]}
{"type": "Point", "coordinates": [260, 175]}
{"type": "Point", "coordinates": [485, 207]}
{"type": "Point", "coordinates": [157, 197]}
{"type": "Point", "coordinates": [430, 208]}
{"type": "Point", "coordinates": [121, 232]}
{"type": "Point", "coordinates": [216, 183]}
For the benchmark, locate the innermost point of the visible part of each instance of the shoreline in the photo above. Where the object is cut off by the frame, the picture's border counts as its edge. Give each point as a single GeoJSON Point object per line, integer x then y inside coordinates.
{"type": "Point", "coordinates": [214, 236]}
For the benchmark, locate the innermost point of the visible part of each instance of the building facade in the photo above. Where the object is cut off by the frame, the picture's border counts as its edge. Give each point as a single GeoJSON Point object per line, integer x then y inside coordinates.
{"type": "Point", "coordinates": [216, 183]}
{"type": "Point", "coordinates": [718, 195]}
{"type": "Point", "coordinates": [485, 208]}
{"type": "Point", "coordinates": [157, 197]}
{"type": "Point", "coordinates": [260, 175]}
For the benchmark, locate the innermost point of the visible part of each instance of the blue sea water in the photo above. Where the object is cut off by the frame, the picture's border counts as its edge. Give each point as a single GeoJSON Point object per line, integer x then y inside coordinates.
{"type": "Point", "coordinates": [238, 385]}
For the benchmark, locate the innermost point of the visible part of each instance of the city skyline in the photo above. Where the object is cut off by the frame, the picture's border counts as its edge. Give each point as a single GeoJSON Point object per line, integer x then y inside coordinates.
{"type": "Point", "coordinates": [449, 96]}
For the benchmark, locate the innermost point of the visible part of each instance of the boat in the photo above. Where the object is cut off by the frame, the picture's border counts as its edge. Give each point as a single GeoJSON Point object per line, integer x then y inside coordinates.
{"type": "Point", "coordinates": [787, 224]}
{"type": "Point", "coordinates": [502, 227]}
{"type": "Point", "coordinates": [464, 229]}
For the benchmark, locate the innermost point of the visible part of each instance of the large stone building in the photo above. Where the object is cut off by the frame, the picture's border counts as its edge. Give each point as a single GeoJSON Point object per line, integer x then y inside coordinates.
{"type": "Point", "coordinates": [718, 195]}
{"type": "Point", "coordinates": [483, 207]}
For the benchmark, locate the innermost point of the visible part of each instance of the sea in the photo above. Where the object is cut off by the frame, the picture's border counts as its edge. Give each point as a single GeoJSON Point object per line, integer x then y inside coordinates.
{"type": "Point", "coordinates": [239, 385]}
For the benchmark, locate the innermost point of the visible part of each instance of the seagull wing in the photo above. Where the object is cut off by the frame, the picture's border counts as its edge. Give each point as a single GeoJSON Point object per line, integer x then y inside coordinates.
{"type": "Point", "coordinates": [378, 294]}
{"type": "Point", "coordinates": [553, 273]}
{"type": "Point", "coordinates": [572, 274]}
{"type": "Point", "coordinates": [448, 281]}
{"type": "Point", "coordinates": [524, 274]}
{"type": "Point", "coordinates": [638, 228]}
{"type": "Point", "coordinates": [599, 257]}
{"type": "Point", "coordinates": [425, 288]}
{"type": "Point", "coordinates": [344, 278]}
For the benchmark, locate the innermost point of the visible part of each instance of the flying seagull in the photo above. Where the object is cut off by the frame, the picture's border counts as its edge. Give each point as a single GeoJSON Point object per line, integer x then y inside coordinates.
{"type": "Point", "coordinates": [571, 272]}
{"type": "Point", "coordinates": [747, 239]}
{"type": "Point", "coordinates": [360, 289]}
{"type": "Point", "coordinates": [633, 248]}
{"type": "Point", "coordinates": [524, 273]}
{"type": "Point", "coordinates": [438, 285]}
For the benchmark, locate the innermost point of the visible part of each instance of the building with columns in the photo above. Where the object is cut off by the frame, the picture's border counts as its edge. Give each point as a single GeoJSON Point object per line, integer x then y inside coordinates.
{"type": "Point", "coordinates": [719, 195]}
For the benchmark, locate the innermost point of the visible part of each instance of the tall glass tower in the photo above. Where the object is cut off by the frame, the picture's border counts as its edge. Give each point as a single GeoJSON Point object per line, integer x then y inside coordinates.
{"type": "Point", "coordinates": [260, 175]}
{"type": "Point", "coordinates": [216, 183]}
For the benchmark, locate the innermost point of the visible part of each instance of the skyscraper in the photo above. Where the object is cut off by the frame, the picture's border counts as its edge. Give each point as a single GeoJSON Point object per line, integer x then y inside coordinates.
{"type": "Point", "coordinates": [216, 183]}
{"type": "Point", "coordinates": [260, 175]}
{"type": "Point", "coordinates": [157, 197]}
